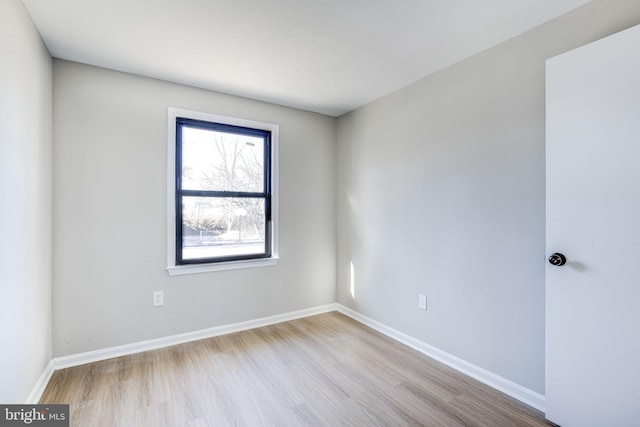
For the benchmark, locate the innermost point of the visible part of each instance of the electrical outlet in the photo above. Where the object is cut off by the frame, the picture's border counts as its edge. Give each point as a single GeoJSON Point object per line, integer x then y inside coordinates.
{"type": "Point", "coordinates": [158, 298]}
{"type": "Point", "coordinates": [422, 302]}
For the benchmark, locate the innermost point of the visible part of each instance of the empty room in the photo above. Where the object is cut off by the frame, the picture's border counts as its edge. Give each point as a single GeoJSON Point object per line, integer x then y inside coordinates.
{"type": "Point", "coordinates": [323, 213]}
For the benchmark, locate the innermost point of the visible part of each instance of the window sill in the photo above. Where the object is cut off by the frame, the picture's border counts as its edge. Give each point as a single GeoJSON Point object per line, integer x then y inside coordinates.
{"type": "Point", "coordinates": [179, 270]}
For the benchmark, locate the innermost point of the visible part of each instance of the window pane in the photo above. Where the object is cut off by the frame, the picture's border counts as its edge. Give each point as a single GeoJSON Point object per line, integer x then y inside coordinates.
{"type": "Point", "coordinates": [221, 161]}
{"type": "Point", "coordinates": [215, 227]}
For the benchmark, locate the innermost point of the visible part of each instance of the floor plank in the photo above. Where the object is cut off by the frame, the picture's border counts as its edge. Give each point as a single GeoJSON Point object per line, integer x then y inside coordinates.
{"type": "Point", "coordinates": [324, 370]}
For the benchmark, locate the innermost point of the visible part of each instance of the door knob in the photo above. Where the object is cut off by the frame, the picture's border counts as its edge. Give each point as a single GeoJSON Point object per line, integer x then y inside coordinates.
{"type": "Point", "coordinates": [557, 259]}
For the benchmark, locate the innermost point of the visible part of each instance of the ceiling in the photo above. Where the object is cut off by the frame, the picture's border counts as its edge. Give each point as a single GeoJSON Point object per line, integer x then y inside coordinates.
{"type": "Point", "coordinates": [327, 56]}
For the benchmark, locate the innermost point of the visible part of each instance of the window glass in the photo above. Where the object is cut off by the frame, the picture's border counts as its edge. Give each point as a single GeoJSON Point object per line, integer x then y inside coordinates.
{"type": "Point", "coordinates": [215, 227]}
{"type": "Point", "coordinates": [221, 161]}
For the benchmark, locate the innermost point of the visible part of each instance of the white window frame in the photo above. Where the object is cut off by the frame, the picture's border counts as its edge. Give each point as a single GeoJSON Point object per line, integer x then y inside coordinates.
{"type": "Point", "coordinates": [172, 268]}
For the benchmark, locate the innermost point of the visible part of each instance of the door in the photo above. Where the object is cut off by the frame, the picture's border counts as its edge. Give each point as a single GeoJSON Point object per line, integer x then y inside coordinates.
{"type": "Point", "coordinates": [593, 218]}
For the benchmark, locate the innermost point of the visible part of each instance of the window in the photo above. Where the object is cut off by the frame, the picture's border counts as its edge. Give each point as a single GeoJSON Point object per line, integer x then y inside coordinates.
{"type": "Point", "coordinates": [222, 201]}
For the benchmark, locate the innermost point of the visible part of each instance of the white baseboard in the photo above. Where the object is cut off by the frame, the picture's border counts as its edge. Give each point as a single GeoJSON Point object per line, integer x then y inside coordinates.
{"type": "Point", "coordinates": [138, 347]}
{"type": "Point", "coordinates": [509, 388]}
{"type": "Point", "coordinates": [41, 384]}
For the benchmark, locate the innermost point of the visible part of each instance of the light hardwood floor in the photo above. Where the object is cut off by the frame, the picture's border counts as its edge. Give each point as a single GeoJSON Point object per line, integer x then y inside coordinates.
{"type": "Point", "coordinates": [325, 370]}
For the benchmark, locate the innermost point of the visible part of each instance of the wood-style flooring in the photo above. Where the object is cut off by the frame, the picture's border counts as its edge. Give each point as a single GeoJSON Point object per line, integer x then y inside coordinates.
{"type": "Point", "coordinates": [325, 370]}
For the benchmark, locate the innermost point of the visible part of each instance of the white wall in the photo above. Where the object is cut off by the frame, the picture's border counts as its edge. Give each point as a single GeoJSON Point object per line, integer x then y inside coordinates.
{"type": "Point", "coordinates": [110, 143]}
{"type": "Point", "coordinates": [25, 209]}
{"type": "Point", "coordinates": [441, 191]}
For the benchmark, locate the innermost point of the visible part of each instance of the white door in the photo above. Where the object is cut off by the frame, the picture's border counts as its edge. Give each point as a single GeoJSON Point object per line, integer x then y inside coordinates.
{"type": "Point", "coordinates": [593, 218]}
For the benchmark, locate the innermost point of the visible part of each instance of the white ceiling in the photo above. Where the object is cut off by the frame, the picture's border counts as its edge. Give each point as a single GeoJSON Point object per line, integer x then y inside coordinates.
{"type": "Point", "coordinates": [328, 56]}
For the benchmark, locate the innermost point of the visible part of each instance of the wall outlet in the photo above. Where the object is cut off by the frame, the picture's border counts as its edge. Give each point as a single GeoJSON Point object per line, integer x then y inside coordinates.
{"type": "Point", "coordinates": [422, 302]}
{"type": "Point", "coordinates": [158, 298]}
